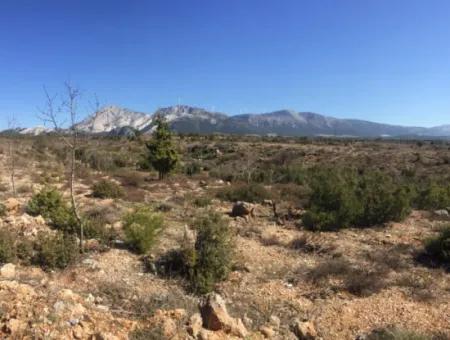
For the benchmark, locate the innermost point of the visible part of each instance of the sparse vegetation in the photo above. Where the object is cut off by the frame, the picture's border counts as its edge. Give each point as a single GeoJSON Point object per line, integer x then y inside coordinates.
{"type": "Point", "coordinates": [394, 333]}
{"type": "Point", "coordinates": [7, 251]}
{"type": "Point", "coordinates": [50, 204]}
{"type": "Point", "coordinates": [257, 264]}
{"type": "Point", "coordinates": [2, 210]}
{"type": "Point", "coordinates": [343, 199]}
{"type": "Point", "coordinates": [107, 189]}
{"type": "Point", "coordinates": [254, 193]}
{"type": "Point", "coordinates": [142, 227]}
{"type": "Point", "coordinates": [439, 247]}
{"type": "Point", "coordinates": [162, 154]}
{"type": "Point", "coordinates": [55, 251]}
{"type": "Point", "coordinates": [213, 252]}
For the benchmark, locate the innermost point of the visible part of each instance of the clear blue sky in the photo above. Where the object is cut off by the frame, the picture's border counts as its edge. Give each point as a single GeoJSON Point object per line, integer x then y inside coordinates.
{"type": "Point", "coordinates": [381, 60]}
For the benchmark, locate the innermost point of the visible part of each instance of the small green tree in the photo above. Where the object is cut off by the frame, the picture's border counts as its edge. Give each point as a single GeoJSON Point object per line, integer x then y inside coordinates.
{"type": "Point", "coordinates": [162, 154]}
{"type": "Point", "coordinates": [142, 228]}
{"type": "Point", "coordinates": [211, 258]}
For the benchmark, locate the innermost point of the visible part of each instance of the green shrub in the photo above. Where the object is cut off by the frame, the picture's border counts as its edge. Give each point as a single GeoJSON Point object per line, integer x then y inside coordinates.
{"type": "Point", "coordinates": [341, 199]}
{"type": "Point", "coordinates": [212, 255]}
{"type": "Point", "coordinates": [55, 251]}
{"type": "Point", "coordinates": [142, 228]}
{"type": "Point", "coordinates": [439, 247]}
{"type": "Point", "coordinates": [192, 168]}
{"type": "Point", "coordinates": [25, 251]}
{"type": "Point", "coordinates": [254, 193]}
{"type": "Point", "coordinates": [202, 201]}
{"type": "Point", "coordinates": [49, 204]}
{"type": "Point", "coordinates": [333, 203]}
{"type": "Point", "coordinates": [45, 202]}
{"type": "Point", "coordinates": [2, 210]}
{"type": "Point", "coordinates": [382, 200]}
{"type": "Point", "coordinates": [95, 223]}
{"type": "Point", "coordinates": [162, 152]}
{"type": "Point", "coordinates": [434, 196]}
{"type": "Point", "coordinates": [393, 333]}
{"type": "Point", "coordinates": [107, 189]}
{"type": "Point", "coordinates": [7, 250]}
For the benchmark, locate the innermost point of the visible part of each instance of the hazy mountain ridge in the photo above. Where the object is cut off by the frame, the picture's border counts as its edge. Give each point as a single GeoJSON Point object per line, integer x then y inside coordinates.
{"type": "Point", "coordinates": [186, 119]}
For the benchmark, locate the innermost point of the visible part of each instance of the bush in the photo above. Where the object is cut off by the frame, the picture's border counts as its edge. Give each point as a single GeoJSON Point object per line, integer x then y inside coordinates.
{"type": "Point", "coordinates": [382, 199]}
{"type": "Point", "coordinates": [343, 199]}
{"type": "Point", "coordinates": [192, 168]}
{"type": "Point", "coordinates": [202, 201]}
{"type": "Point", "coordinates": [45, 203]}
{"type": "Point", "coordinates": [393, 333]}
{"type": "Point", "coordinates": [333, 203]}
{"type": "Point", "coordinates": [213, 252]}
{"type": "Point", "coordinates": [107, 189]}
{"type": "Point", "coordinates": [55, 251]}
{"type": "Point", "coordinates": [2, 210]}
{"type": "Point", "coordinates": [254, 193]}
{"type": "Point", "coordinates": [49, 204]}
{"type": "Point", "coordinates": [7, 251]}
{"type": "Point", "coordinates": [142, 228]}
{"type": "Point", "coordinates": [439, 247]}
{"type": "Point", "coordinates": [434, 196]}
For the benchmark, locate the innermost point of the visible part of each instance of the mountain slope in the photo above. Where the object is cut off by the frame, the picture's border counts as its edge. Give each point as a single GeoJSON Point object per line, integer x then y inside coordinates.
{"type": "Point", "coordinates": [113, 117]}
{"type": "Point", "coordinates": [187, 119]}
{"type": "Point", "coordinates": [115, 120]}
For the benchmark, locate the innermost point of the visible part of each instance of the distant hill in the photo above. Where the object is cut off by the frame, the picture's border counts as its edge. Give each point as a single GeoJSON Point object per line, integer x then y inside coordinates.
{"type": "Point", "coordinates": [186, 119]}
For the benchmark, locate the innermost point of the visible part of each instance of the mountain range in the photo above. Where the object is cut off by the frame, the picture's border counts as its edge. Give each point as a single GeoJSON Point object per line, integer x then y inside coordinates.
{"type": "Point", "coordinates": [186, 119]}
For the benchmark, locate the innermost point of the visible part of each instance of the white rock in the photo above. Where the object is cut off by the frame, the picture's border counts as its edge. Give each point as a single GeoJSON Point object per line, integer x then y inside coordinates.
{"type": "Point", "coordinates": [8, 271]}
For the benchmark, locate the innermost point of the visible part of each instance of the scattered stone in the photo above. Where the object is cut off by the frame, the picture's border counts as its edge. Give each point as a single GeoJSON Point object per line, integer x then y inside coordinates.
{"type": "Point", "coordinates": [8, 271]}
{"type": "Point", "coordinates": [275, 321]}
{"type": "Point", "coordinates": [242, 209]}
{"type": "Point", "coordinates": [195, 325]}
{"type": "Point", "coordinates": [66, 295]}
{"type": "Point", "coordinates": [14, 326]}
{"type": "Point", "coordinates": [59, 306]}
{"type": "Point", "coordinates": [92, 264]}
{"type": "Point", "coordinates": [305, 330]}
{"type": "Point", "coordinates": [268, 202]}
{"type": "Point", "coordinates": [12, 205]}
{"type": "Point", "coordinates": [78, 332]}
{"type": "Point", "coordinates": [215, 316]}
{"type": "Point", "coordinates": [441, 213]}
{"type": "Point", "coordinates": [92, 244]}
{"type": "Point", "coordinates": [267, 331]}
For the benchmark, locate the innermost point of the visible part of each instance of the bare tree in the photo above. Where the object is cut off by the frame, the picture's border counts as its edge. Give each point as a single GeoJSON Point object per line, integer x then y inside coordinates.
{"type": "Point", "coordinates": [11, 154]}
{"type": "Point", "coordinates": [49, 114]}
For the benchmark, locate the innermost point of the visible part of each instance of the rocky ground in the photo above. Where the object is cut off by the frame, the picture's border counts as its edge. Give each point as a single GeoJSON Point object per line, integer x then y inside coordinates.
{"type": "Point", "coordinates": [284, 285]}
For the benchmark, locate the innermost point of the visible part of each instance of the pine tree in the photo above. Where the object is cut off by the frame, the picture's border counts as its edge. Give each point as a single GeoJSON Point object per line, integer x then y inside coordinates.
{"type": "Point", "coordinates": [163, 155]}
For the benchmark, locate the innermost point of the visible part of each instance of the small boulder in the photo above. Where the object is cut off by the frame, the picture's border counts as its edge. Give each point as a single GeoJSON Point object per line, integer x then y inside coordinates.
{"type": "Point", "coordinates": [195, 325]}
{"type": "Point", "coordinates": [441, 213]}
{"type": "Point", "coordinates": [243, 209]}
{"type": "Point", "coordinates": [305, 330]}
{"type": "Point", "coordinates": [267, 331]}
{"type": "Point", "coordinates": [215, 316]}
{"type": "Point", "coordinates": [8, 271]}
{"type": "Point", "coordinates": [12, 205]}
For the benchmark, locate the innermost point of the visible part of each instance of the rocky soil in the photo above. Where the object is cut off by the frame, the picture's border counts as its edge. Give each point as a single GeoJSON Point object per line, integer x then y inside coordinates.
{"type": "Point", "coordinates": [111, 294]}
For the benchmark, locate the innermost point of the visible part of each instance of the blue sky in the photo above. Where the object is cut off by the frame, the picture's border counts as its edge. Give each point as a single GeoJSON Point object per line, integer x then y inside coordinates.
{"type": "Point", "coordinates": [380, 60]}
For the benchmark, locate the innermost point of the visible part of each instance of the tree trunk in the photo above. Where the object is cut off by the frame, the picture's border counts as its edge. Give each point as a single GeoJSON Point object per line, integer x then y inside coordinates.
{"type": "Point", "coordinates": [12, 168]}
{"type": "Point", "coordinates": [72, 192]}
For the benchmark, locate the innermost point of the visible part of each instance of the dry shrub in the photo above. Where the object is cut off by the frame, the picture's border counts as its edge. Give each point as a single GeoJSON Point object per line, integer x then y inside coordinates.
{"type": "Point", "coordinates": [271, 240]}
{"type": "Point", "coordinates": [359, 281]}
{"type": "Point", "coordinates": [311, 244]}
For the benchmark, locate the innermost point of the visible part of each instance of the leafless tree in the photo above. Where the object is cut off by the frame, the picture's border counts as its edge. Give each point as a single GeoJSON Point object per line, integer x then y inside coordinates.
{"type": "Point", "coordinates": [50, 115]}
{"type": "Point", "coordinates": [11, 154]}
